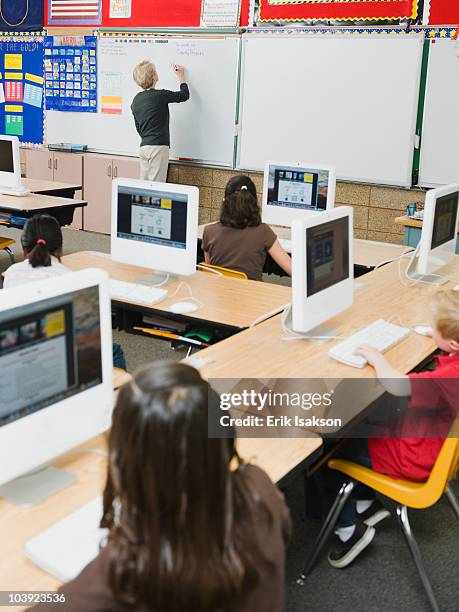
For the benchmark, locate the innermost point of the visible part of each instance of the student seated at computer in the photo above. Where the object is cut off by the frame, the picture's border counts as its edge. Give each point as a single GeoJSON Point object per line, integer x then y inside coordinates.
{"type": "Point", "coordinates": [240, 240]}
{"type": "Point", "coordinates": [409, 448]}
{"type": "Point", "coordinates": [41, 241]}
{"type": "Point", "coordinates": [192, 527]}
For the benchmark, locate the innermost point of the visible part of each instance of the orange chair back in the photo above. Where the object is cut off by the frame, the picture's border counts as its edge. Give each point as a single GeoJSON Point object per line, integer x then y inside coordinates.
{"type": "Point", "coordinates": [205, 267]}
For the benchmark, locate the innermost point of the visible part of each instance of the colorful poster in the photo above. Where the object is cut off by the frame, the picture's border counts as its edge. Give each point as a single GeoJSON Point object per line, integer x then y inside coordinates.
{"type": "Point", "coordinates": [304, 10]}
{"type": "Point", "coordinates": [220, 13]}
{"type": "Point", "coordinates": [74, 12]}
{"type": "Point", "coordinates": [71, 73]}
{"type": "Point", "coordinates": [111, 93]}
{"type": "Point", "coordinates": [120, 9]}
{"type": "Point", "coordinates": [21, 89]}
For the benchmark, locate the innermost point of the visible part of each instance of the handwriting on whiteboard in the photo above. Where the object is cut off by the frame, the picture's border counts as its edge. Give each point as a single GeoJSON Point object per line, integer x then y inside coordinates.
{"type": "Point", "coordinates": [189, 49]}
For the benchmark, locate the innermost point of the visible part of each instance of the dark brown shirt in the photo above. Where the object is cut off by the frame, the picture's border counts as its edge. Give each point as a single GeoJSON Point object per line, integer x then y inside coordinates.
{"type": "Point", "coordinates": [240, 249]}
{"type": "Point", "coordinates": [90, 592]}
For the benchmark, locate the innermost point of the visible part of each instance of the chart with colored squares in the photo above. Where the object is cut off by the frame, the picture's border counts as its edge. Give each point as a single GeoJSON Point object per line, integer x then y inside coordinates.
{"type": "Point", "coordinates": [21, 87]}
{"type": "Point", "coordinates": [71, 73]}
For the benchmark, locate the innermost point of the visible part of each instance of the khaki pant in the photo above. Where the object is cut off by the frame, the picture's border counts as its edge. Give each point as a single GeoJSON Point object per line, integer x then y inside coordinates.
{"type": "Point", "coordinates": [154, 161]}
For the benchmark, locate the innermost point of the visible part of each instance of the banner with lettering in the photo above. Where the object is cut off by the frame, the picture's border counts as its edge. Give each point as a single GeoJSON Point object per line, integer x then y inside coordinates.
{"type": "Point", "coordinates": [21, 87]}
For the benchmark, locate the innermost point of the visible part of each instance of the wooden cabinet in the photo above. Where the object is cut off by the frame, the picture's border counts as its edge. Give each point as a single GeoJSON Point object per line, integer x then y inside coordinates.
{"type": "Point", "coordinates": [39, 164]}
{"type": "Point", "coordinates": [59, 167]}
{"type": "Point", "coordinates": [95, 171]}
{"type": "Point", "coordinates": [99, 171]}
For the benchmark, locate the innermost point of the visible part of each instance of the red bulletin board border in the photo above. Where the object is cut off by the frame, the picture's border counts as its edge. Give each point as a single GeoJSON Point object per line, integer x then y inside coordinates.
{"type": "Point", "coordinates": [343, 11]}
{"type": "Point", "coordinates": [442, 12]}
{"type": "Point", "coordinates": [245, 13]}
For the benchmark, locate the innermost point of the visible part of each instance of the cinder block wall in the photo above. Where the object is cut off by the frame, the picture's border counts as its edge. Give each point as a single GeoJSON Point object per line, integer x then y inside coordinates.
{"type": "Point", "coordinates": [375, 208]}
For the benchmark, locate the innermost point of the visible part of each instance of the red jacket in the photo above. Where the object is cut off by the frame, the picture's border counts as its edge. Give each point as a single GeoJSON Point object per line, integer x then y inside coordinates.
{"type": "Point", "coordinates": [433, 406]}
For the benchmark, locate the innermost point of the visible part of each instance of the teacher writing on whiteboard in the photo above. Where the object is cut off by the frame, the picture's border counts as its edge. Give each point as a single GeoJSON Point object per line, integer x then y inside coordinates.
{"type": "Point", "coordinates": [150, 108]}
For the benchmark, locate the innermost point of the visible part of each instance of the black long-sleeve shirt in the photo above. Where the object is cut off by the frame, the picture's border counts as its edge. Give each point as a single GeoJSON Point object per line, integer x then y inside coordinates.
{"type": "Point", "coordinates": [151, 113]}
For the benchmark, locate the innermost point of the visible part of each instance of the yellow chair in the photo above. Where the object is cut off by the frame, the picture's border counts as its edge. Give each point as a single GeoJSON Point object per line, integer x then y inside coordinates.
{"type": "Point", "coordinates": [5, 244]}
{"type": "Point", "coordinates": [205, 267]}
{"type": "Point", "coordinates": [407, 494]}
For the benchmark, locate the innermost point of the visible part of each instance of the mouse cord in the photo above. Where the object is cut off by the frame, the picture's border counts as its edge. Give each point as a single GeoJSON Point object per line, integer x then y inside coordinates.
{"type": "Point", "coordinates": [190, 296]}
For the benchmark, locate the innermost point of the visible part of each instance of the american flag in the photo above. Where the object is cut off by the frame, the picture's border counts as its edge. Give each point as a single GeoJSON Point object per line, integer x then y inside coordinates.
{"type": "Point", "coordinates": [74, 11]}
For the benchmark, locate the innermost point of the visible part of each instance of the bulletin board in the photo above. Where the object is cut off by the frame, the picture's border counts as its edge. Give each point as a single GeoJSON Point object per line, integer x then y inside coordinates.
{"type": "Point", "coordinates": [21, 14]}
{"type": "Point", "coordinates": [303, 10]}
{"type": "Point", "coordinates": [441, 12]}
{"type": "Point", "coordinates": [71, 73]}
{"type": "Point", "coordinates": [21, 87]}
{"type": "Point", "coordinates": [158, 13]}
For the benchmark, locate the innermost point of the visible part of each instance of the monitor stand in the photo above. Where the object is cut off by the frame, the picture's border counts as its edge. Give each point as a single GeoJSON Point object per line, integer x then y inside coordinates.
{"type": "Point", "coordinates": [317, 334]}
{"type": "Point", "coordinates": [156, 279]}
{"type": "Point", "coordinates": [36, 486]}
{"type": "Point", "coordinates": [430, 279]}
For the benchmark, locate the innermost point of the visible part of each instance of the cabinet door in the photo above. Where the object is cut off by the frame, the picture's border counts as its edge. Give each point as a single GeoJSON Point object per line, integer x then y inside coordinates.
{"type": "Point", "coordinates": [39, 164]}
{"type": "Point", "coordinates": [97, 179]}
{"type": "Point", "coordinates": [68, 168]}
{"type": "Point", "coordinates": [126, 167]}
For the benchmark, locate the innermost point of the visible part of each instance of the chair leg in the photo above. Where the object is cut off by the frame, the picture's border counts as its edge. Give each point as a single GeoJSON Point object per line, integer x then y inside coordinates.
{"type": "Point", "coordinates": [327, 528]}
{"type": "Point", "coordinates": [402, 515]}
{"type": "Point", "coordinates": [453, 501]}
{"type": "Point", "coordinates": [10, 253]}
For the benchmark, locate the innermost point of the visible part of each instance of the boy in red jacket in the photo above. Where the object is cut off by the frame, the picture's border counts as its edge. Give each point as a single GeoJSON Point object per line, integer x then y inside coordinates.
{"type": "Point", "coordinates": [419, 434]}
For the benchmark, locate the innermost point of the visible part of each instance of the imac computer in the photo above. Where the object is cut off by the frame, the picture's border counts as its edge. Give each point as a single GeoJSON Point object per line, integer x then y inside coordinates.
{"type": "Point", "coordinates": [10, 167]}
{"type": "Point", "coordinates": [437, 246]}
{"type": "Point", "coordinates": [56, 378]}
{"type": "Point", "coordinates": [155, 225]}
{"type": "Point", "coordinates": [291, 191]}
{"type": "Point", "coordinates": [322, 269]}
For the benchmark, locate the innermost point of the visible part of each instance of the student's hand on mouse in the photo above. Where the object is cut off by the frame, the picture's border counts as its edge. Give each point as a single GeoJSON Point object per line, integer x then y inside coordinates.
{"type": "Point", "coordinates": [372, 355]}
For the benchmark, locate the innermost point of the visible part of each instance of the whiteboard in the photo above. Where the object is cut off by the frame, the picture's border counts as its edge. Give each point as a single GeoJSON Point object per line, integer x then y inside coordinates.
{"type": "Point", "coordinates": [348, 101]}
{"type": "Point", "coordinates": [439, 163]}
{"type": "Point", "coordinates": [202, 129]}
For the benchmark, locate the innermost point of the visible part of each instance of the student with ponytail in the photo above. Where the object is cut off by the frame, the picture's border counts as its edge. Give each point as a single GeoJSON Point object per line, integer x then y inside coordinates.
{"type": "Point", "coordinates": [41, 241]}
{"type": "Point", "coordinates": [240, 240]}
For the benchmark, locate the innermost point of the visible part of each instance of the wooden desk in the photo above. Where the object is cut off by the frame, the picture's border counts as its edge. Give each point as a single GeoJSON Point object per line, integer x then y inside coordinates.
{"type": "Point", "coordinates": [261, 352]}
{"type": "Point", "coordinates": [52, 188]}
{"type": "Point", "coordinates": [227, 302]}
{"type": "Point", "coordinates": [412, 231]}
{"type": "Point", "coordinates": [28, 206]}
{"type": "Point", "coordinates": [367, 253]}
{"type": "Point", "coordinates": [278, 457]}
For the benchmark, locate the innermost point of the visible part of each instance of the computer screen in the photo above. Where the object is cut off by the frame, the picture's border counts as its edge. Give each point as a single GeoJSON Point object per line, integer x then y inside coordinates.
{"type": "Point", "coordinates": [50, 350]}
{"type": "Point", "coordinates": [295, 187]}
{"type": "Point", "coordinates": [6, 156]}
{"type": "Point", "coordinates": [444, 226]}
{"type": "Point", "coordinates": [327, 254]}
{"type": "Point", "coordinates": [154, 217]}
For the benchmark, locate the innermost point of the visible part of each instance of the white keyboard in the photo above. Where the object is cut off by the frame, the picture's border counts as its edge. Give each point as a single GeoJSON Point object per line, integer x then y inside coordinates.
{"type": "Point", "coordinates": [14, 191]}
{"type": "Point", "coordinates": [379, 335]}
{"type": "Point", "coordinates": [143, 294]}
{"type": "Point", "coordinates": [66, 547]}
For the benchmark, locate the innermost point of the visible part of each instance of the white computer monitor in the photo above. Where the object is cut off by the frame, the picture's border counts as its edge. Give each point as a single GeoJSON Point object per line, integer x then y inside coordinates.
{"type": "Point", "coordinates": [437, 246]}
{"type": "Point", "coordinates": [10, 162]}
{"type": "Point", "coordinates": [322, 267]}
{"type": "Point", "coordinates": [56, 374]}
{"type": "Point", "coordinates": [155, 225]}
{"type": "Point", "coordinates": [292, 190]}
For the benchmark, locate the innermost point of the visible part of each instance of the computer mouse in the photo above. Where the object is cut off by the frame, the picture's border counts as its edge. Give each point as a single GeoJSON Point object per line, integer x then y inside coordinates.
{"type": "Point", "coordinates": [423, 330]}
{"type": "Point", "coordinates": [183, 307]}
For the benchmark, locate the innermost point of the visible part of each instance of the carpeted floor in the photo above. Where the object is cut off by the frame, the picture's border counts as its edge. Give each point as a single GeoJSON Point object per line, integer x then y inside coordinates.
{"type": "Point", "coordinates": [384, 578]}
